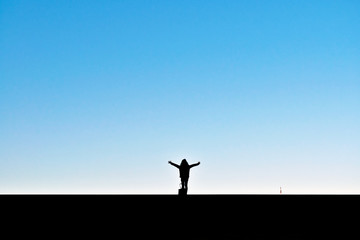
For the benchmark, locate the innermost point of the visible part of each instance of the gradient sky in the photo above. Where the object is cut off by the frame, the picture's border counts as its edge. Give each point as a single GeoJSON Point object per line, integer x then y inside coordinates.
{"type": "Point", "coordinates": [97, 96]}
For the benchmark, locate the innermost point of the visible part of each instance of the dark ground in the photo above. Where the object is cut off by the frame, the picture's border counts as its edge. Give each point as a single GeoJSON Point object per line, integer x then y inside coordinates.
{"type": "Point", "coordinates": [174, 217]}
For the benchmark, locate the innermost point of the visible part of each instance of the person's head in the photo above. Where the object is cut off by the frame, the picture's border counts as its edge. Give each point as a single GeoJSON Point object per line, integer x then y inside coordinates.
{"type": "Point", "coordinates": [184, 162]}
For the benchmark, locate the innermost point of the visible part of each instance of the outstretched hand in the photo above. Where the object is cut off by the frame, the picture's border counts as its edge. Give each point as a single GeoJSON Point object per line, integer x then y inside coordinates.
{"type": "Point", "coordinates": [170, 162]}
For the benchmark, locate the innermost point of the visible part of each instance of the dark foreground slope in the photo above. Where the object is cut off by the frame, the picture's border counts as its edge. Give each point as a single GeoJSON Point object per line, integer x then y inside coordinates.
{"type": "Point", "coordinates": [174, 217]}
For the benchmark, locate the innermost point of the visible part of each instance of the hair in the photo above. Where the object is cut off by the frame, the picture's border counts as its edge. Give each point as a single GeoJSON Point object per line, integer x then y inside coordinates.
{"type": "Point", "coordinates": [184, 162]}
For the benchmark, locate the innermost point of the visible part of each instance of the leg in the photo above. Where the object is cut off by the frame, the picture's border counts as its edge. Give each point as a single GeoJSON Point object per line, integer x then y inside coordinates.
{"type": "Point", "coordinates": [186, 183]}
{"type": "Point", "coordinates": [182, 183]}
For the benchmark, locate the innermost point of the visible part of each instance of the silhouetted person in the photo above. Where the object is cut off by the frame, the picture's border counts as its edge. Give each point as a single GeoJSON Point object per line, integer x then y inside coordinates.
{"type": "Point", "coordinates": [184, 170]}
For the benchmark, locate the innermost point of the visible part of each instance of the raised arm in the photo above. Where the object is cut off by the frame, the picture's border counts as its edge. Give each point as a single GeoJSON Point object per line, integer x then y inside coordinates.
{"type": "Point", "coordinates": [195, 164]}
{"type": "Point", "coordinates": [174, 164]}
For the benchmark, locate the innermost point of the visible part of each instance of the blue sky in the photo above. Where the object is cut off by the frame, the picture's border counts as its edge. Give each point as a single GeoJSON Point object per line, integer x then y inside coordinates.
{"type": "Point", "coordinates": [97, 96]}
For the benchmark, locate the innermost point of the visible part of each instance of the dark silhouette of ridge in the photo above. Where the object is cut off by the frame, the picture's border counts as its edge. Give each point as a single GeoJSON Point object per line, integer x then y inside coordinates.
{"type": "Point", "coordinates": [279, 216]}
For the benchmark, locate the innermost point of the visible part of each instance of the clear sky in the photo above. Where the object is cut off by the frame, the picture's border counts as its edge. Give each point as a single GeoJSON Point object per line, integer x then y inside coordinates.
{"type": "Point", "coordinates": [98, 96]}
